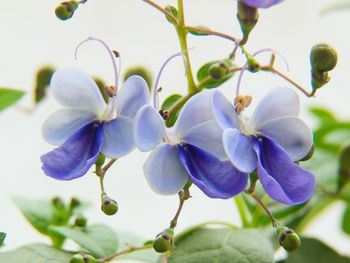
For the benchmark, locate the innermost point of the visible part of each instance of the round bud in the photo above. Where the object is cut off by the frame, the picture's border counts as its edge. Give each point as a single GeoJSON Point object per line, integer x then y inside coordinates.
{"type": "Point", "coordinates": [218, 70]}
{"type": "Point", "coordinates": [66, 9]}
{"type": "Point", "coordinates": [82, 258]}
{"type": "Point", "coordinates": [288, 239]}
{"type": "Point", "coordinates": [164, 241]}
{"type": "Point", "coordinates": [80, 221]}
{"type": "Point", "coordinates": [109, 206]}
{"type": "Point", "coordinates": [57, 203]}
{"type": "Point", "coordinates": [323, 57]}
{"type": "Point", "coordinates": [74, 203]}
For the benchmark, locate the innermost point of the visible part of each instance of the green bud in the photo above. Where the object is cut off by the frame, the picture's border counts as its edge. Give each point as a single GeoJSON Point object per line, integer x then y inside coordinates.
{"type": "Point", "coordinates": [164, 241]}
{"type": "Point", "coordinates": [109, 206]}
{"type": "Point", "coordinates": [253, 65]}
{"type": "Point", "coordinates": [66, 10]}
{"type": "Point", "coordinates": [74, 203]}
{"type": "Point", "coordinates": [309, 154]}
{"type": "Point", "coordinates": [170, 10]}
{"type": "Point", "coordinates": [58, 203]}
{"type": "Point", "coordinates": [100, 160]}
{"type": "Point", "coordinates": [319, 79]}
{"type": "Point", "coordinates": [288, 239]}
{"type": "Point", "coordinates": [82, 258]}
{"type": "Point", "coordinates": [323, 57]}
{"type": "Point", "coordinates": [80, 221]}
{"type": "Point", "coordinates": [247, 17]}
{"type": "Point", "coordinates": [218, 71]}
{"type": "Point", "coordinates": [141, 71]}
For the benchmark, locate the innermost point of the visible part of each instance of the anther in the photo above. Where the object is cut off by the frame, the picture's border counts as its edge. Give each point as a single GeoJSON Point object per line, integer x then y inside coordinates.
{"type": "Point", "coordinates": [111, 91]}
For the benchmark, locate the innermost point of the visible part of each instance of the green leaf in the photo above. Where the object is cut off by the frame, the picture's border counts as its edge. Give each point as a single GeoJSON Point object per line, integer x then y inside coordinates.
{"type": "Point", "coordinates": [336, 7]}
{"type": "Point", "coordinates": [209, 83]}
{"type": "Point", "coordinates": [314, 251]}
{"type": "Point", "coordinates": [38, 213]}
{"type": "Point", "coordinates": [9, 97]}
{"type": "Point", "coordinates": [99, 240]}
{"type": "Point", "coordinates": [170, 101]}
{"type": "Point", "coordinates": [2, 238]}
{"type": "Point", "coordinates": [223, 246]}
{"type": "Point", "coordinates": [323, 115]}
{"type": "Point", "coordinates": [199, 32]}
{"type": "Point", "coordinates": [346, 220]}
{"type": "Point", "coordinates": [37, 253]}
{"type": "Point", "coordinates": [42, 82]}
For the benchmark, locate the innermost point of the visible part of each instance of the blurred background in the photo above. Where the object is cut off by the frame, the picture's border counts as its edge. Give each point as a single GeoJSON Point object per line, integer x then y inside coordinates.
{"type": "Point", "coordinates": [31, 35]}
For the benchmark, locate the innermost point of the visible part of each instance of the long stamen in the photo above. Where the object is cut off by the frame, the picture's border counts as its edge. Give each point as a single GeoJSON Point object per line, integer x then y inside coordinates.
{"type": "Point", "coordinates": [240, 77]}
{"type": "Point", "coordinates": [155, 88]}
{"type": "Point", "coordinates": [110, 52]}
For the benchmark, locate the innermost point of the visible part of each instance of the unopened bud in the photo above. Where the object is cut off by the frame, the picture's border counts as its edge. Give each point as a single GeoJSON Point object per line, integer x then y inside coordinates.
{"type": "Point", "coordinates": [323, 57]}
{"type": "Point", "coordinates": [164, 241]}
{"type": "Point", "coordinates": [74, 202]}
{"type": "Point", "coordinates": [288, 239]}
{"type": "Point", "coordinates": [58, 203]}
{"type": "Point", "coordinates": [80, 221]}
{"type": "Point", "coordinates": [109, 206]}
{"type": "Point", "coordinates": [319, 79]}
{"type": "Point", "coordinates": [66, 10]}
{"type": "Point", "coordinates": [247, 17]}
{"type": "Point", "coordinates": [171, 11]}
{"type": "Point", "coordinates": [82, 258]}
{"type": "Point", "coordinates": [218, 70]}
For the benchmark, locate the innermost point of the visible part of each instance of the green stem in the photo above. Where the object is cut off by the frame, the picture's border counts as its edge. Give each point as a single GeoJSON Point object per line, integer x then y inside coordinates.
{"type": "Point", "coordinates": [240, 203]}
{"type": "Point", "coordinates": [258, 212]}
{"type": "Point", "coordinates": [124, 252]}
{"type": "Point", "coordinates": [182, 35]}
{"type": "Point", "coordinates": [315, 211]}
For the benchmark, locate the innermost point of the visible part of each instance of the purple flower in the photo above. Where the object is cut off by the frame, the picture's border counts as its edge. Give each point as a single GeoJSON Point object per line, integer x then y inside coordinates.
{"type": "Point", "coordinates": [261, 3]}
{"type": "Point", "coordinates": [191, 149]}
{"type": "Point", "coordinates": [269, 142]}
{"type": "Point", "coordinates": [87, 125]}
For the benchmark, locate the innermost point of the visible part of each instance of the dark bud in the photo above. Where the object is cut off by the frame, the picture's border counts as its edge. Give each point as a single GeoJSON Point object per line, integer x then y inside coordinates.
{"type": "Point", "coordinates": [164, 241]}
{"type": "Point", "coordinates": [247, 17]}
{"type": "Point", "coordinates": [323, 57]}
{"type": "Point", "coordinates": [74, 203]}
{"type": "Point", "coordinates": [309, 154]}
{"type": "Point", "coordinates": [66, 10]}
{"type": "Point", "coordinates": [80, 221]}
{"type": "Point", "coordinates": [319, 79]}
{"type": "Point", "coordinates": [58, 203]}
{"type": "Point", "coordinates": [218, 71]}
{"type": "Point", "coordinates": [288, 239]}
{"type": "Point", "coordinates": [109, 206]}
{"type": "Point", "coordinates": [82, 258]}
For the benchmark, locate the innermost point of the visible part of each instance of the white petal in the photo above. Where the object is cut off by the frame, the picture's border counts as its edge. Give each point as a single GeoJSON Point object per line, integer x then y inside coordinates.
{"type": "Point", "coordinates": [132, 96]}
{"type": "Point", "coordinates": [224, 111]}
{"type": "Point", "coordinates": [118, 139]}
{"type": "Point", "coordinates": [207, 136]}
{"type": "Point", "coordinates": [74, 89]}
{"type": "Point", "coordinates": [196, 111]}
{"type": "Point", "coordinates": [164, 171]}
{"type": "Point", "coordinates": [62, 124]}
{"type": "Point", "coordinates": [277, 103]}
{"type": "Point", "coordinates": [149, 128]}
{"type": "Point", "coordinates": [291, 133]}
{"type": "Point", "coordinates": [239, 149]}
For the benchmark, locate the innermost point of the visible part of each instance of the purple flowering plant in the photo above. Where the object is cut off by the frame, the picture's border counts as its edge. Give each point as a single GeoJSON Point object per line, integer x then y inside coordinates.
{"type": "Point", "coordinates": [203, 140]}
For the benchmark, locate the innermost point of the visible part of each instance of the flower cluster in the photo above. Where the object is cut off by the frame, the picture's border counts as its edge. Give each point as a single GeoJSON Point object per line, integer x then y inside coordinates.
{"type": "Point", "coordinates": [211, 143]}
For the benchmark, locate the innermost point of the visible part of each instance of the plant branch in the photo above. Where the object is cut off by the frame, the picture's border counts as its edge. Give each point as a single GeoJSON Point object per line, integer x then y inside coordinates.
{"type": "Point", "coordinates": [124, 252]}
{"type": "Point", "coordinates": [183, 196]}
{"type": "Point", "coordinates": [212, 32]}
{"type": "Point", "coordinates": [161, 9]}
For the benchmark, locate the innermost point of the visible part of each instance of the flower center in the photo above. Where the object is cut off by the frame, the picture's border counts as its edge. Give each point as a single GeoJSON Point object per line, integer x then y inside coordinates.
{"type": "Point", "coordinates": [110, 111]}
{"type": "Point", "coordinates": [246, 127]}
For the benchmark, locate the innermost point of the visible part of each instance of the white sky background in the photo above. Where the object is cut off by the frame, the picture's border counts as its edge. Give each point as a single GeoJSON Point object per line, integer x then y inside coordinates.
{"type": "Point", "coordinates": [30, 35]}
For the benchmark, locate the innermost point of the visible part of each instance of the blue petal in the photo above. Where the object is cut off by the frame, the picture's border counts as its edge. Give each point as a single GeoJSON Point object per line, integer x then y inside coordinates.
{"type": "Point", "coordinates": [224, 112]}
{"type": "Point", "coordinates": [217, 179]}
{"type": "Point", "coordinates": [261, 3]}
{"type": "Point", "coordinates": [164, 171]}
{"type": "Point", "coordinates": [281, 178]}
{"type": "Point", "coordinates": [132, 96]}
{"type": "Point", "coordinates": [149, 128]}
{"type": "Point", "coordinates": [239, 149]}
{"type": "Point", "coordinates": [118, 139]}
{"type": "Point", "coordinates": [74, 158]}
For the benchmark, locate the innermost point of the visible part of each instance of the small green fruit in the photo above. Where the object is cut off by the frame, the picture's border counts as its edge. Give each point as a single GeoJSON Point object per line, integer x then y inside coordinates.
{"type": "Point", "coordinates": [82, 258]}
{"type": "Point", "coordinates": [109, 206]}
{"type": "Point", "coordinates": [66, 10]}
{"type": "Point", "coordinates": [80, 221]}
{"type": "Point", "coordinates": [218, 71]}
{"type": "Point", "coordinates": [164, 241]}
{"type": "Point", "coordinates": [288, 239]}
{"type": "Point", "coordinates": [323, 57]}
